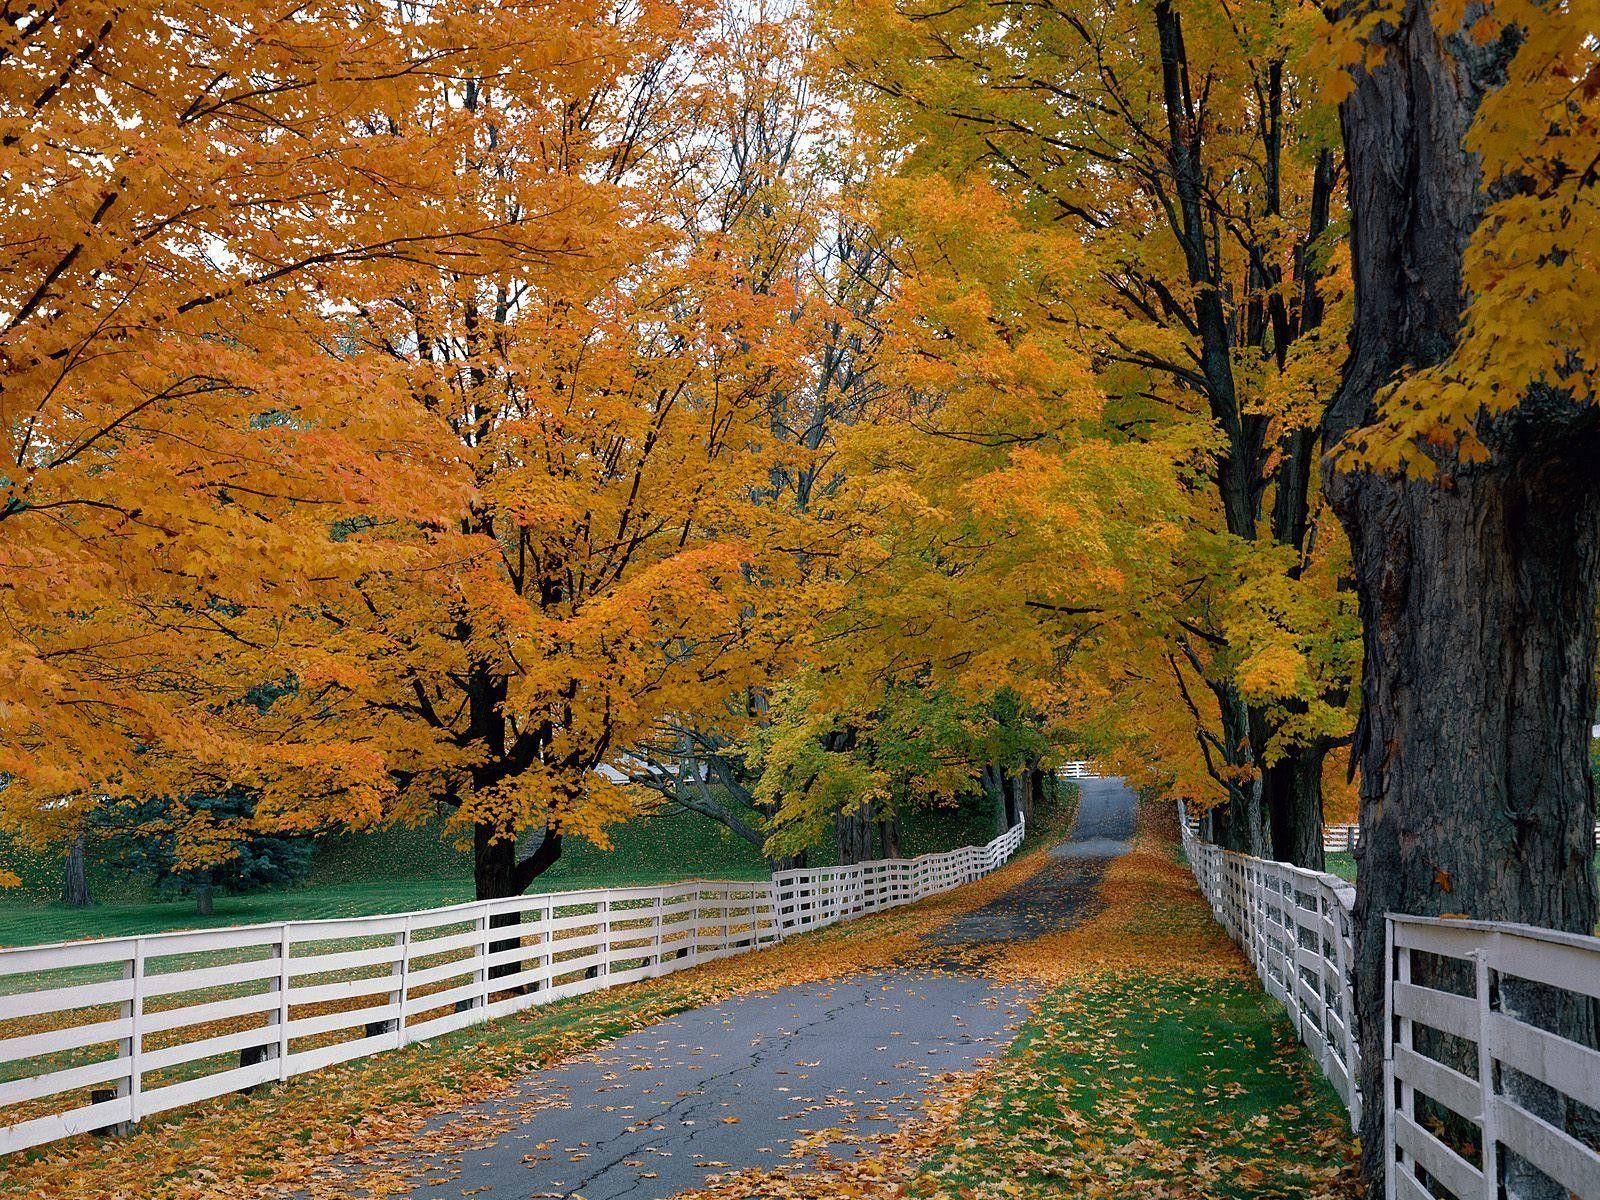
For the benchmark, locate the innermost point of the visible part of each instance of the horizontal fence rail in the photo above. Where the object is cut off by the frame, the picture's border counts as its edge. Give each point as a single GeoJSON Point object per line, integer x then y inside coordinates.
{"type": "Point", "coordinates": [1295, 927]}
{"type": "Point", "coordinates": [1344, 837]}
{"type": "Point", "coordinates": [98, 1034]}
{"type": "Point", "coordinates": [1492, 1059]}
{"type": "Point", "coordinates": [1492, 1072]}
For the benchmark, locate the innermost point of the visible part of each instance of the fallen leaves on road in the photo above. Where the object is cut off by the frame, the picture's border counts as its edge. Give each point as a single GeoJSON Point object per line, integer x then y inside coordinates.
{"type": "Point", "coordinates": [289, 1138]}
{"type": "Point", "coordinates": [1153, 1069]}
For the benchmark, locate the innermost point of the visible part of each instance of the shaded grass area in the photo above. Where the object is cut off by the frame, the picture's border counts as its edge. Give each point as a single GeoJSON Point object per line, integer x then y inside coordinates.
{"type": "Point", "coordinates": [401, 868]}
{"type": "Point", "coordinates": [1142, 1085]}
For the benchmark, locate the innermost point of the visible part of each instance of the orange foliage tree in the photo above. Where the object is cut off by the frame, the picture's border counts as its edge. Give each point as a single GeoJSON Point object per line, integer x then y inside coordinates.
{"type": "Point", "coordinates": [187, 188]}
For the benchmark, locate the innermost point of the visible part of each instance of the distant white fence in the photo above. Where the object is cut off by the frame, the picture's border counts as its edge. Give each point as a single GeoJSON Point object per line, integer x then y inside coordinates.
{"type": "Point", "coordinates": [1342, 838]}
{"type": "Point", "coordinates": [96, 1034]}
{"type": "Point", "coordinates": [1458, 1049]}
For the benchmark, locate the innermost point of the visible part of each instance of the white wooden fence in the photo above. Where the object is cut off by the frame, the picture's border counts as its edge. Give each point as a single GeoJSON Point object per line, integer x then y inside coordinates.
{"type": "Point", "coordinates": [1295, 927]}
{"type": "Point", "coordinates": [96, 1034]}
{"type": "Point", "coordinates": [1477, 1091]}
{"type": "Point", "coordinates": [1342, 838]}
{"type": "Point", "coordinates": [1464, 1117]}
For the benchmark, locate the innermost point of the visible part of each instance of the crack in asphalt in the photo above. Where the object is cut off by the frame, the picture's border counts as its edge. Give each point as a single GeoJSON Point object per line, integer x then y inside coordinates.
{"type": "Point", "coordinates": [700, 1098]}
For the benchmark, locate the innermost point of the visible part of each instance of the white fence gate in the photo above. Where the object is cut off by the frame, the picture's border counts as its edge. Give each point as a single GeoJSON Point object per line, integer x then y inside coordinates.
{"type": "Point", "coordinates": [1461, 1062]}
{"type": "Point", "coordinates": [94, 1034]}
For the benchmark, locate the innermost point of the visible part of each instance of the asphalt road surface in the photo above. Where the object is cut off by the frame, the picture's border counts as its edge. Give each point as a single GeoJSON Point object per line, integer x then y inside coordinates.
{"type": "Point", "coordinates": [732, 1085]}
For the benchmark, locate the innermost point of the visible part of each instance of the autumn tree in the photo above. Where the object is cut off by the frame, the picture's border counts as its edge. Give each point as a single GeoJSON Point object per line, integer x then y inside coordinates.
{"type": "Point", "coordinates": [972, 515]}
{"type": "Point", "coordinates": [1184, 152]}
{"type": "Point", "coordinates": [1461, 447]}
{"type": "Point", "coordinates": [603, 376]}
{"type": "Point", "coordinates": [188, 188]}
{"type": "Point", "coordinates": [785, 199]}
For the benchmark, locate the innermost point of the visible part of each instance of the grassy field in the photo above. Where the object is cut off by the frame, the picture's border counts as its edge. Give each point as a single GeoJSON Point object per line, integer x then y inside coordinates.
{"type": "Point", "coordinates": [394, 870]}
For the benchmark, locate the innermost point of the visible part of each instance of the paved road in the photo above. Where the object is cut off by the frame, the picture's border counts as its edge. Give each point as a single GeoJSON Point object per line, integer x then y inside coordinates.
{"type": "Point", "coordinates": [732, 1085]}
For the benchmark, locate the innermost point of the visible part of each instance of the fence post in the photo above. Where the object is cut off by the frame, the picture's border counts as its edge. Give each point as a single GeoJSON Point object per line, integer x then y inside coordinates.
{"type": "Point", "coordinates": [1392, 967]}
{"type": "Point", "coordinates": [482, 974]}
{"type": "Point", "coordinates": [404, 938]}
{"type": "Point", "coordinates": [655, 929]}
{"type": "Point", "coordinates": [694, 933]}
{"type": "Point", "coordinates": [547, 940]}
{"type": "Point", "coordinates": [133, 1007]}
{"type": "Point", "coordinates": [1487, 1121]}
{"type": "Point", "coordinates": [1347, 1011]}
{"type": "Point", "coordinates": [285, 944]}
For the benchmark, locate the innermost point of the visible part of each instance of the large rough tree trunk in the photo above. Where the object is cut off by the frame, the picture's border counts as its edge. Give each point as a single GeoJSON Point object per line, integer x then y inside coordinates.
{"type": "Point", "coordinates": [1477, 588]}
{"type": "Point", "coordinates": [889, 836]}
{"type": "Point", "coordinates": [75, 875]}
{"type": "Point", "coordinates": [853, 835]}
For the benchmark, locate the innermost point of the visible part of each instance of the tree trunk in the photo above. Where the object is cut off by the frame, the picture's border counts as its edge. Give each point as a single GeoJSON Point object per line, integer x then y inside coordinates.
{"type": "Point", "coordinates": [1477, 587]}
{"type": "Point", "coordinates": [853, 835]}
{"type": "Point", "coordinates": [498, 872]}
{"type": "Point", "coordinates": [788, 862]}
{"type": "Point", "coordinates": [204, 899]}
{"type": "Point", "coordinates": [1032, 789]}
{"type": "Point", "coordinates": [75, 881]}
{"type": "Point", "coordinates": [1291, 793]}
{"type": "Point", "coordinates": [889, 836]}
{"type": "Point", "coordinates": [1241, 822]}
{"type": "Point", "coordinates": [993, 781]}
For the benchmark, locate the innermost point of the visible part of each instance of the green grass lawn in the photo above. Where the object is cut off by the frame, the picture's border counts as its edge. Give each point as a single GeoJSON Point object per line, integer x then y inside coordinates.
{"type": "Point", "coordinates": [1124, 1083]}
{"type": "Point", "coordinates": [394, 870]}
{"type": "Point", "coordinates": [1343, 865]}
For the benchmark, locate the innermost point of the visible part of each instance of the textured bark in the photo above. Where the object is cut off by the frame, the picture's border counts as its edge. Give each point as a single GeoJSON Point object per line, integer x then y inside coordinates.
{"type": "Point", "coordinates": [1477, 588]}
{"type": "Point", "coordinates": [204, 899]}
{"type": "Point", "coordinates": [853, 835]}
{"type": "Point", "coordinates": [889, 837]}
{"type": "Point", "coordinates": [1241, 823]}
{"type": "Point", "coordinates": [1032, 785]}
{"type": "Point", "coordinates": [75, 874]}
{"type": "Point", "coordinates": [1291, 790]}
